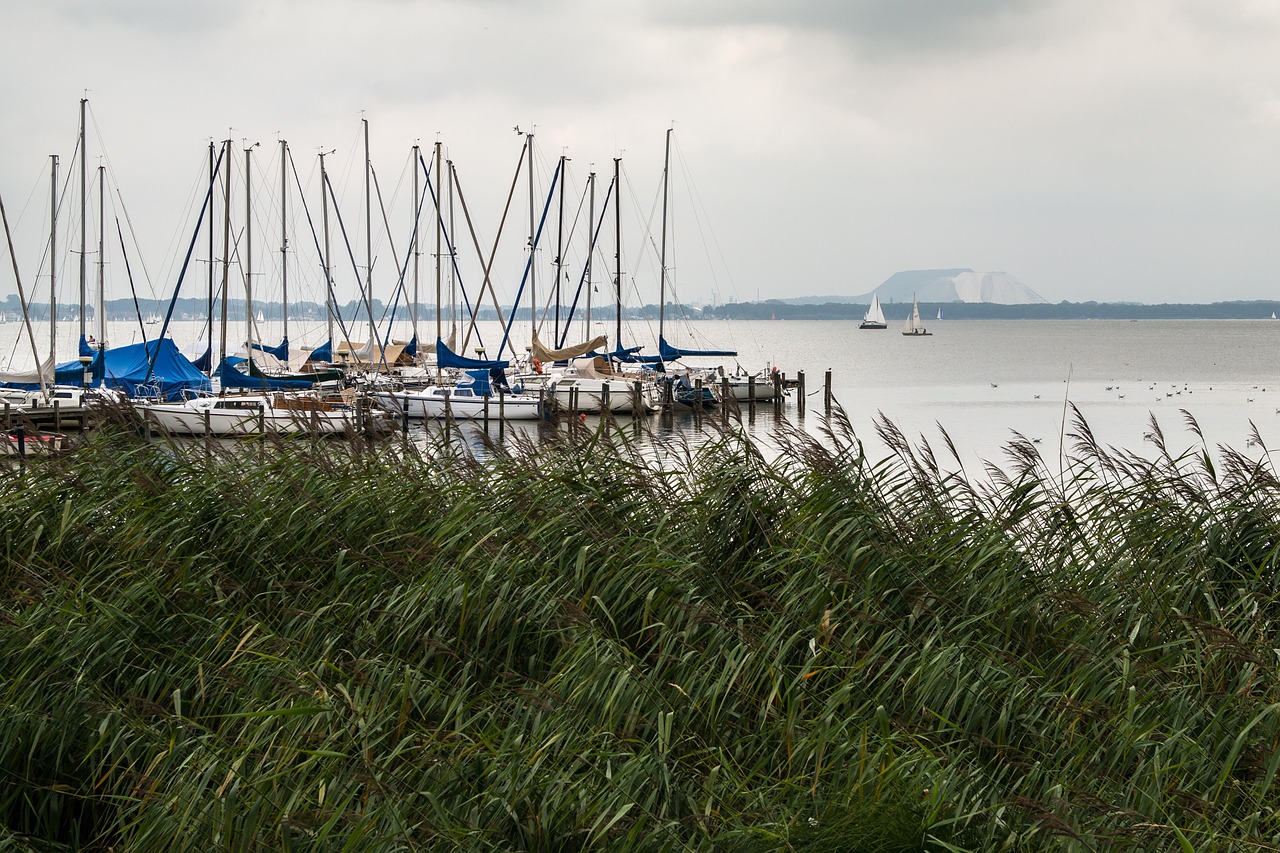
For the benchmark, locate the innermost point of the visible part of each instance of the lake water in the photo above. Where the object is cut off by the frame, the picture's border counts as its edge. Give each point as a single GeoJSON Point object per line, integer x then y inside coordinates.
{"type": "Point", "coordinates": [980, 380]}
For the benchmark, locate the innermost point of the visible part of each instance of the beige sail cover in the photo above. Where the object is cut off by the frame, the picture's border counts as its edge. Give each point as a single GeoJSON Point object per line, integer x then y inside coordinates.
{"type": "Point", "coordinates": [541, 353]}
{"type": "Point", "coordinates": [31, 377]}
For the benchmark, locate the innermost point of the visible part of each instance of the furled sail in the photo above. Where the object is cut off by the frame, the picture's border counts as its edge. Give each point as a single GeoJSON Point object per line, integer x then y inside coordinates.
{"type": "Point", "coordinates": [446, 357]}
{"type": "Point", "coordinates": [670, 353]}
{"type": "Point", "coordinates": [541, 353]}
{"type": "Point", "coordinates": [30, 379]}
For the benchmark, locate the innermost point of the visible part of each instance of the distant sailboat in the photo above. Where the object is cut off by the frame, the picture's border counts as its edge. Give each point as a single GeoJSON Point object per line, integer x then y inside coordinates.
{"type": "Point", "coordinates": [939, 313]}
{"type": "Point", "coordinates": [914, 326]}
{"type": "Point", "coordinates": [874, 318]}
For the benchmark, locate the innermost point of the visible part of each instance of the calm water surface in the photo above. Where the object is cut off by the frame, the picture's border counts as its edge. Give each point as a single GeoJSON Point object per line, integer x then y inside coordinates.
{"type": "Point", "coordinates": [980, 380]}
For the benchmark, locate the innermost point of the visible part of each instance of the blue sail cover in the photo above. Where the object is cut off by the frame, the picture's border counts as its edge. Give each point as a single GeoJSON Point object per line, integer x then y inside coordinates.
{"type": "Point", "coordinates": [85, 348]}
{"type": "Point", "coordinates": [205, 361]}
{"type": "Point", "coordinates": [324, 352]}
{"type": "Point", "coordinates": [411, 348]}
{"type": "Point", "coordinates": [140, 370]}
{"type": "Point", "coordinates": [446, 357]}
{"type": "Point", "coordinates": [479, 382]}
{"type": "Point", "coordinates": [280, 351]}
{"type": "Point", "coordinates": [670, 353]}
{"type": "Point", "coordinates": [229, 377]}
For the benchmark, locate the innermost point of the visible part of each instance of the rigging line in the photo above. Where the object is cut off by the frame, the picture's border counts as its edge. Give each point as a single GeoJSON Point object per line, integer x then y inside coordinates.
{"type": "Point", "coordinates": [333, 298]}
{"type": "Point", "coordinates": [506, 334]}
{"type": "Point", "coordinates": [448, 238]}
{"type": "Point", "coordinates": [404, 268]}
{"type": "Point", "coordinates": [488, 267]}
{"type": "Point", "coordinates": [382, 208]}
{"type": "Point", "coordinates": [604, 208]}
{"type": "Point", "coordinates": [132, 290]}
{"type": "Point", "coordinates": [177, 288]}
{"type": "Point", "coordinates": [346, 240]}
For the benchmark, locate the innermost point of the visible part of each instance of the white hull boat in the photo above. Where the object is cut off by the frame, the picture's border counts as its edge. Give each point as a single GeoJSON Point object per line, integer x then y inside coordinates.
{"type": "Point", "coordinates": [459, 402]}
{"type": "Point", "coordinates": [253, 414]}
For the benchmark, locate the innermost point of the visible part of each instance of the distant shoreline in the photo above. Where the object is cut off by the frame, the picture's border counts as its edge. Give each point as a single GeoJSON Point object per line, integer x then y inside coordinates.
{"type": "Point", "coordinates": [1257, 310]}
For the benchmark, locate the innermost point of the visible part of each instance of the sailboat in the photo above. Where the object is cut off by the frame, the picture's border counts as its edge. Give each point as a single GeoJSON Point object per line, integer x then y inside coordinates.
{"type": "Point", "coordinates": [914, 326]}
{"type": "Point", "coordinates": [874, 318]}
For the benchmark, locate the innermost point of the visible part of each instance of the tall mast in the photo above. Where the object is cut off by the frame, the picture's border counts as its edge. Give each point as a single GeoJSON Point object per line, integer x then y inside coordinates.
{"type": "Point", "coordinates": [248, 250]}
{"type": "Point", "coordinates": [226, 251]}
{"type": "Point", "coordinates": [413, 303]}
{"type": "Point", "coordinates": [439, 251]}
{"type": "Point", "coordinates": [617, 253]}
{"type": "Point", "coordinates": [53, 256]}
{"type": "Point", "coordinates": [591, 224]}
{"type": "Point", "coordinates": [328, 276]}
{"type": "Point", "coordinates": [662, 262]}
{"type": "Point", "coordinates": [533, 266]}
{"type": "Point", "coordinates": [83, 219]}
{"type": "Point", "coordinates": [284, 235]}
{"type": "Point", "coordinates": [102, 286]}
{"type": "Point", "coordinates": [209, 301]}
{"type": "Point", "coordinates": [559, 248]}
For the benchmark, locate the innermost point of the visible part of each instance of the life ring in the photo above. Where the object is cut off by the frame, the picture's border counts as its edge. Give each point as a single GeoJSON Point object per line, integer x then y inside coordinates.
{"type": "Point", "coordinates": [537, 366]}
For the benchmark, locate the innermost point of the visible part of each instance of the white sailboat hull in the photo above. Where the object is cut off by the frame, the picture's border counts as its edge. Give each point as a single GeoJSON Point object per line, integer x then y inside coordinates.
{"type": "Point", "coordinates": [248, 415]}
{"type": "Point", "coordinates": [435, 402]}
{"type": "Point", "coordinates": [590, 395]}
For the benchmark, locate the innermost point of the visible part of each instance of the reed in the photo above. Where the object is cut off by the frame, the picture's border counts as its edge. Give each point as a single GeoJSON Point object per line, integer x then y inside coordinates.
{"type": "Point", "coordinates": [561, 644]}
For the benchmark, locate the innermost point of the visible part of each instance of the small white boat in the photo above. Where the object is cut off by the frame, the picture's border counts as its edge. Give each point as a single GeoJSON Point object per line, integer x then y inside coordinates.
{"type": "Point", "coordinates": [914, 326]}
{"type": "Point", "coordinates": [254, 414]}
{"type": "Point", "coordinates": [473, 398]}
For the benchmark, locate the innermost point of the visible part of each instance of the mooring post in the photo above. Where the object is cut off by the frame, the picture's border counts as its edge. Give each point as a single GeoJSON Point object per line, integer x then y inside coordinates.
{"type": "Point", "coordinates": [826, 394]}
{"type": "Point", "coordinates": [485, 410]}
{"type": "Point", "coordinates": [800, 393]}
{"type": "Point", "coordinates": [605, 408]}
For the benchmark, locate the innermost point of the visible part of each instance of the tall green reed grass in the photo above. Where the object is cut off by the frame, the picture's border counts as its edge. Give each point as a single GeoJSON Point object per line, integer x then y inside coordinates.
{"type": "Point", "coordinates": [563, 646]}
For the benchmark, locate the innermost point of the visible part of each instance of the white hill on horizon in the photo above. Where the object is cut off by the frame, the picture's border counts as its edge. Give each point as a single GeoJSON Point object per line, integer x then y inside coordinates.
{"type": "Point", "coordinates": [946, 285]}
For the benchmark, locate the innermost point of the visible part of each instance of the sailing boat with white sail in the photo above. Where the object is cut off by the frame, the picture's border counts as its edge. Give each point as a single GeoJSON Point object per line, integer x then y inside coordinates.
{"type": "Point", "coordinates": [914, 326]}
{"type": "Point", "coordinates": [874, 318]}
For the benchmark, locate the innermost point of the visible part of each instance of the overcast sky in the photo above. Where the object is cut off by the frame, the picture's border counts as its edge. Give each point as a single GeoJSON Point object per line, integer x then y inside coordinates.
{"type": "Point", "coordinates": [1095, 149]}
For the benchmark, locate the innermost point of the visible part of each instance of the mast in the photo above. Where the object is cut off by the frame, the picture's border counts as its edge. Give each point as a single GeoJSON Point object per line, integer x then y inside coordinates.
{"type": "Point", "coordinates": [559, 248]}
{"type": "Point", "coordinates": [102, 288]}
{"type": "Point", "coordinates": [284, 234]}
{"type": "Point", "coordinates": [662, 262]}
{"type": "Point", "coordinates": [53, 257]}
{"type": "Point", "coordinates": [83, 219]}
{"type": "Point", "coordinates": [209, 301]}
{"type": "Point", "coordinates": [413, 303]}
{"type": "Point", "coordinates": [22, 298]}
{"type": "Point", "coordinates": [617, 254]}
{"type": "Point", "coordinates": [591, 220]}
{"type": "Point", "coordinates": [226, 252]}
{"type": "Point", "coordinates": [439, 246]}
{"type": "Point", "coordinates": [533, 266]}
{"type": "Point", "coordinates": [248, 250]}
{"type": "Point", "coordinates": [328, 276]}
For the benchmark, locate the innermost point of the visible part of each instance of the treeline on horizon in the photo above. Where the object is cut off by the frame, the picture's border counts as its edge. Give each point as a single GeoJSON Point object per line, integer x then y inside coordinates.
{"type": "Point", "coordinates": [354, 310]}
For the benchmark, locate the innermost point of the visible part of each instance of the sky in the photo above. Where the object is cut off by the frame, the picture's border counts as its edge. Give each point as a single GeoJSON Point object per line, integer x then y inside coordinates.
{"type": "Point", "coordinates": [1108, 150]}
